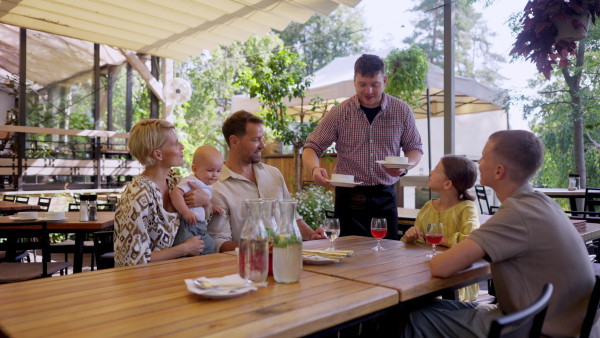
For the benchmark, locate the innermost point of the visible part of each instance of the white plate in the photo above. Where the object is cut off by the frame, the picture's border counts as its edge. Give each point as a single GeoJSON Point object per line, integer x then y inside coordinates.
{"type": "Point", "coordinates": [216, 293]}
{"type": "Point", "coordinates": [317, 260]}
{"type": "Point", "coordinates": [395, 165]}
{"type": "Point", "coordinates": [344, 184]}
{"type": "Point", "coordinates": [17, 219]}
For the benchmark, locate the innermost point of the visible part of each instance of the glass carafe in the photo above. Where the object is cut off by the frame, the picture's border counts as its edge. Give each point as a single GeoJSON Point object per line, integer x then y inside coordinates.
{"type": "Point", "coordinates": [254, 244]}
{"type": "Point", "coordinates": [287, 246]}
{"type": "Point", "coordinates": [269, 217]}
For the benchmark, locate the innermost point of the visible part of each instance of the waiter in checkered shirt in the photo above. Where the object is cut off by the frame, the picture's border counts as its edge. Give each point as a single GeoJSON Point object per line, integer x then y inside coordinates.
{"type": "Point", "coordinates": [365, 128]}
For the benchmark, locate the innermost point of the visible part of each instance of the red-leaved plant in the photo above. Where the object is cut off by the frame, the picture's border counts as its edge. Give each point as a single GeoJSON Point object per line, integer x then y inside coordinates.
{"type": "Point", "coordinates": [537, 41]}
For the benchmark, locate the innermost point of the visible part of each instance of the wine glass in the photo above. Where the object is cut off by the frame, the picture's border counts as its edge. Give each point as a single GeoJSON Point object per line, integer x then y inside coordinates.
{"type": "Point", "coordinates": [332, 230]}
{"type": "Point", "coordinates": [434, 235]}
{"type": "Point", "coordinates": [378, 230]}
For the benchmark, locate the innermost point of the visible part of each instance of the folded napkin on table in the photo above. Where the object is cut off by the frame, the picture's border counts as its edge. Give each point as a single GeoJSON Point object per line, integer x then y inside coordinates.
{"type": "Point", "coordinates": [227, 280]}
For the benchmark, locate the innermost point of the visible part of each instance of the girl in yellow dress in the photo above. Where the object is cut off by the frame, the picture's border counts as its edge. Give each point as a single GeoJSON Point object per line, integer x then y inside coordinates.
{"type": "Point", "coordinates": [451, 179]}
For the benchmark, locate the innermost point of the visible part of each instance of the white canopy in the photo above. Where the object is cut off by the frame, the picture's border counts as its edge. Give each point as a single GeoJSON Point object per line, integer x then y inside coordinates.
{"type": "Point", "coordinates": [173, 29]}
{"type": "Point", "coordinates": [335, 82]}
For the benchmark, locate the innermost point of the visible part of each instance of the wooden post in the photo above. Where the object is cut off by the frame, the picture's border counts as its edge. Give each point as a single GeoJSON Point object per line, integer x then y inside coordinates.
{"type": "Point", "coordinates": [22, 107]}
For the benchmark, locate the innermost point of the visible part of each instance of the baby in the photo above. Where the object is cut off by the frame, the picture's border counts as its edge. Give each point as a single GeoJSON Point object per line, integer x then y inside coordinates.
{"type": "Point", "coordinates": [206, 167]}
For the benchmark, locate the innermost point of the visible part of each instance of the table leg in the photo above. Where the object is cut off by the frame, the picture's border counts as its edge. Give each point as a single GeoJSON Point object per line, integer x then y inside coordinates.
{"type": "Point", "coordinates": [573, 203]}
{"type": "Point", "coordinates": [78, 255]}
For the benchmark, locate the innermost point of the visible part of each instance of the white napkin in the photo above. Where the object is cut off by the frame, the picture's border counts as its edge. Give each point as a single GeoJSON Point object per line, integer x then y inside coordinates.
{"type": "Point", "coordinates": [319, 258]}
{"type": "Point", "coordinates": [231, 279]}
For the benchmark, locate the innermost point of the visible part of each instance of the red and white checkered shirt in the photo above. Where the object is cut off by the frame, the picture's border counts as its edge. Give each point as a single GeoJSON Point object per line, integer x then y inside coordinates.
{"type": "Point", "coordinates": [359, 144]}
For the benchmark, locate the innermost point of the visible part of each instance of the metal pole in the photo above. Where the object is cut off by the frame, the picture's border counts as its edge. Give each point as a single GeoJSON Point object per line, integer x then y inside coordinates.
{"type": "Point", "coordinates": [449, 60]}
{"type": "Point", "coordinates": [429, 132]}
{"type": "Point", "coordinates": [155, 70]}
{"type": "Point", "coordinates": [96, 140]}
{"type": "Point", "coordinates": [129, 99]}
{"type": "Point", "coordinates": [22, 106]}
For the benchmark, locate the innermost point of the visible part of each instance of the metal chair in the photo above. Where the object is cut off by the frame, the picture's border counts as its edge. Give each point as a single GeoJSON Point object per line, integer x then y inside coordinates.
{"type": "Point", "coordinates": [44, 203]}
{"type": "Point", "coordinates": [588, 321]}
{"type": "Point", "coordinates": [106, 207]}
{"type": "Point", "coordinates": [482, 197]}
{"type": "Point", "coordinates": [112, 200]}
{"type": "Point", "coordinates": [9, 198]}
{"type": "Point", "coordinates": [73, 207]}
{"type": "Point", "coordinates": [524, 323]}
{"type": "Point", "coordinates": [591, 208]}
{"type": "Point", "coordinates": [22, 199]}
{"type": "Point", "coordinates": [104, 249]}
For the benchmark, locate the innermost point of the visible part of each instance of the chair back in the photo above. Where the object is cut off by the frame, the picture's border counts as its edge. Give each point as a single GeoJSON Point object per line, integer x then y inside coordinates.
{"type": "Point", "coordinates": [482, 198]}
{"type": "Point", "coordinates": [112, 200]}
{"type": "Point", "coordinates": [104, 249]}
{"type": "Point", "coordinates": [592, 204]}
{"type": "Point", "coordinates": [44, 203]}
{"type": "Point", "coordinates": [73, 207]}
{"type": "Point", "coordinates": [22, 199]}
{"type": "Point", "coordinates": [588, 321]}
{"type": "Point", "coordinates": [106, 207]}
{"type": "Point", "coordinates": [526, 322]}
{"type": "Point", "coordinates": [9, 198]}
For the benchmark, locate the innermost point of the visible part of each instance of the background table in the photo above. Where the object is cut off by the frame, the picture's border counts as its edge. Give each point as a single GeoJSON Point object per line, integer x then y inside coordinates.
{"type": "Point", "coordinates": [70, 225]}
{"type": "Point", "coordinates": [7, 207]}
{"type": "Point", "coordinates": [402, 267]}
{"type": "Point", "coordinates": [572, 195]}
{"type": "Point", "coordinates": [152, 299]}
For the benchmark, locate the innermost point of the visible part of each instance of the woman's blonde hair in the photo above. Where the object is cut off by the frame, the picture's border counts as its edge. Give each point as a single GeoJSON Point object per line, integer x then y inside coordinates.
{"type": "Point", "coordinates": [147, 136]}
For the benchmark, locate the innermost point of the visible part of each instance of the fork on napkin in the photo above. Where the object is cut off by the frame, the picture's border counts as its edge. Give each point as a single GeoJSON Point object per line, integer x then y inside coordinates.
{"type": "Point", "coordinates": [234, 279]}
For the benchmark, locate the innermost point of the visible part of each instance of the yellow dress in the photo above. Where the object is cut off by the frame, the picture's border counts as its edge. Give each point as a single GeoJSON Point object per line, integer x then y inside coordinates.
{"type": "Point", "coordinates": [458, 221]}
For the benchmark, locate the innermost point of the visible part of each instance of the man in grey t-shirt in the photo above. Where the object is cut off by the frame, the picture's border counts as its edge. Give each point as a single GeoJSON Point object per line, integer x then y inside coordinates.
{"type": "Point", "coordinates": [529, 242]}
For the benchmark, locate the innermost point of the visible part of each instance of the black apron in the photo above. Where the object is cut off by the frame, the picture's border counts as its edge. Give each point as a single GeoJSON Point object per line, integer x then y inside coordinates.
{"type": "Point", "coordinates": [355, 207]}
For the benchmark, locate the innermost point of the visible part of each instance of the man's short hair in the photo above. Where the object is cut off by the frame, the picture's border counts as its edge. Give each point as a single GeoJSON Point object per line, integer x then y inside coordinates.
{"type": "Point", "coordinates": [369, 65]}
{"type": "Point", "coordinates": [147, 136]}
{"type": "Point", "coordinates": [236, 124]}
{"type": "Point", "coordinates": [520, 151]}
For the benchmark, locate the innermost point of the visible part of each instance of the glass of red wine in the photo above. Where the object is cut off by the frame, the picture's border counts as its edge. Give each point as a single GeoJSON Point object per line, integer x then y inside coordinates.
{"type": "Point", "coordinates": [378, 230]}
{"type": "Point", "coordinates": [434, 235]}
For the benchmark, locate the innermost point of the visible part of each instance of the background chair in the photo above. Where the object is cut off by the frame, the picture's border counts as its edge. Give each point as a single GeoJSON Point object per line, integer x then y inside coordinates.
{"type": "Point", "coordinates": [106, 207]}
{"type": "Point", "coordinates": [9, 198]}
{"type": "Point", "coordinates": [44, 203]}
{"type": "Point", "coordinates": [22, 199]}
{"type": "Point", "coordinates": [73, 207]}
{"type": "Point", "coordinates": [482, 198]}
{"type": "Point", "coordinates": [112, 200]}
{"type": "Point", "coordinates": [525, 323]}
{"type": "Point", "coordinates": [104, 249]}
{"type": "Point", "coordinates": [588, 322]}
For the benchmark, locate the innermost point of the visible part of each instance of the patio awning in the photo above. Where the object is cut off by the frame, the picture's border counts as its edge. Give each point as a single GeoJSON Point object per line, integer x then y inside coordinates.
{"type": "Point", "coordinates": [173, 29]}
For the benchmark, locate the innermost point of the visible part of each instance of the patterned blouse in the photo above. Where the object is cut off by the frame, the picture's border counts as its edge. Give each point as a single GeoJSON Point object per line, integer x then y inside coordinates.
{"type": "Point", "coordinates": [142, 225]}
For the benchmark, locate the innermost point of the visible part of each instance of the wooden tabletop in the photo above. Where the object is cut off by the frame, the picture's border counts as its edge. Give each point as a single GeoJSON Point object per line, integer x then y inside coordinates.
{"type": "Point", "coordinates": [72, 222]}
{"type": "Point", "coordinates": [152, 300]}
{"type": "Point", "coordinates": [13, 206]}
{"type": "Point", "coordinates": [402, 266]}
{"type": "Point", "coordinates": [591, 232]}
{"type": "Point", "coordinates": [561, 192]}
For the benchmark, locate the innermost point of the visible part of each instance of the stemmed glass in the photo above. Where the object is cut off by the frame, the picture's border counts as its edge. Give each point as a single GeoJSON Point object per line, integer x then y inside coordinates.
{"type": "Point", "coordinates": [378, 230]}
{"type": "Point", "coordinates": [332, 230]}
{"type": "Point", "coordinates": [434, 235]}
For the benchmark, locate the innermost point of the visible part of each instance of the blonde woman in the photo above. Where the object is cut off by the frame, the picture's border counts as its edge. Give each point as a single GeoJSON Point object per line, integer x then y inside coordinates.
{"type": "Point", "coordinates": [146, 221]}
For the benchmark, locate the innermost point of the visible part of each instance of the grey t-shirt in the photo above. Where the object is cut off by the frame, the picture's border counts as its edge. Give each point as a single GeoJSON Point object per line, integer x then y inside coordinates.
{"type": "Point", "coordinates": [530, 242]}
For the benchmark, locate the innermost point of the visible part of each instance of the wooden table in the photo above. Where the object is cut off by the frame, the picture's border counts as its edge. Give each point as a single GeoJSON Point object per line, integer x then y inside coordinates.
{"type": "Point", "coordinates": [402, 267]}
{"type": "Point", "coordinates": [152, 300]}
{"type": "Point", "coordinates": [591, 232]}
{"type": "Point", "coordinates": [572, 195]}
{"type": "Point", "coordinates": [13, 207]}
{"type": "Point", "coordinates": [70, 225]}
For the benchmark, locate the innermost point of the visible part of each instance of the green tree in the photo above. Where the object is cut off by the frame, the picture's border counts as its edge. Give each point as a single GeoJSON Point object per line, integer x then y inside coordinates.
{"type": "Point", "coordinates": [272, 78]}
{"type": "Point", "coordinates": [323, 38]}
{"type": "Point", "coordinates": [473, 40]}
{"type": "Point", "coordinates": [567, 117]}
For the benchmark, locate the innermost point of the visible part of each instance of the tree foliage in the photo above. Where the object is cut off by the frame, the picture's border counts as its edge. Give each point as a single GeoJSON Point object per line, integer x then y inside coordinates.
{"type": "Point", "coordinates": [407, 74]}
{"type": "Point", "coordinates": [473, 40]}
{"type": "Point", "coordinates": [561, 107]}
{"type": "Point", "coordinates": [323, 38]}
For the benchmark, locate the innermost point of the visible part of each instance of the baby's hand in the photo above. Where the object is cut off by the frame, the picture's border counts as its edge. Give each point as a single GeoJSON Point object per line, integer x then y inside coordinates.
{"type": "Point", "coordinates": [217, 210]}
{"type": "Point", "coordinates": [412, 234]}
{"type": "Point", "coordinates": [190, 218]}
